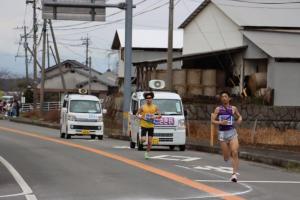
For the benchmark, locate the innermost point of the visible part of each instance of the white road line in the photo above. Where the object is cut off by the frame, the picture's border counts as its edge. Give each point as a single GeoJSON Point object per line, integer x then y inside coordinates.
{"type": "Point", "coordinates": [224, 181]}
{"type": "Point", "coordinates": [24, 186]}
{"type": "Point", "coordinates": [248, 190]}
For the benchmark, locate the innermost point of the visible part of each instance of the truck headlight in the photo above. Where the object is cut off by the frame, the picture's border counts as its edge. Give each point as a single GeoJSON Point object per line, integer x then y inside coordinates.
{"type": "Point", "coordinates": [181, 124]}
{"type": "Point", "coordinates": [71, 117]}
{"type": "Point", "coordinates": [100, 119]}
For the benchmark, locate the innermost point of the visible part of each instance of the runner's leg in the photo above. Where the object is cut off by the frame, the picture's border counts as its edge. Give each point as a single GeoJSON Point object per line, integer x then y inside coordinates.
{"type": "Point", "coordinates": [149, 143]}
{"type": "Point", "coordinates": [234, 147]}
{"type": "Point", "coordinates": [225, 150]}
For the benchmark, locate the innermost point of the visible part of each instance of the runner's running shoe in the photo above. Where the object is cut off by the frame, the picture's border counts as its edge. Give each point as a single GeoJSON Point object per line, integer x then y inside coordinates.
{"type": "Point", "coordinates": [146, 156]}
{"type": "Point", "coordinates": [233, 178]}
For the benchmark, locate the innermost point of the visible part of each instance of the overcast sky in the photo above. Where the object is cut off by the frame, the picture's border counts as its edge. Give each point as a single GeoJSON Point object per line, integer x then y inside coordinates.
{"type": "Point", "coordinates": [15, 13]}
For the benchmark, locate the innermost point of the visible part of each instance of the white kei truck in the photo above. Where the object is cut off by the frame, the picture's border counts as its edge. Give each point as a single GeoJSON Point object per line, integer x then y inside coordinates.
{"type": "Point", "coordinates": [170, 129]}
{"type": "Point", "coordinates": [81, 115]}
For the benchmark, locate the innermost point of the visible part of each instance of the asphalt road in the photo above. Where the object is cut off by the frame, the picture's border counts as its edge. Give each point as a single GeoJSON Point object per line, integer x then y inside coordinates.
{"type": "Point", "coordinates": [36, 164]}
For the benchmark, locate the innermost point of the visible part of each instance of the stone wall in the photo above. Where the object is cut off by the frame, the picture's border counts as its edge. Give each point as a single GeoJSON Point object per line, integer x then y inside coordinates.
{"type": "Point", "coordinates": [281, 118]}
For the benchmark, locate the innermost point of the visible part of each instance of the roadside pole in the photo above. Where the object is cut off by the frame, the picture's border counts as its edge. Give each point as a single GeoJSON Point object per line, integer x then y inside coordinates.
{"type": "Point", "coordinates": [170, 47]}
{"type": "Point", "coordinates": [43, 67]}
{"type": "Point", "coordinates": [128, 65]}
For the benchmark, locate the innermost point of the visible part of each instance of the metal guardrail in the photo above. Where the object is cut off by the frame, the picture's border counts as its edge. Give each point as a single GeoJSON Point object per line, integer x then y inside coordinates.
{"type": "Point", "coordinates": [47, 106]}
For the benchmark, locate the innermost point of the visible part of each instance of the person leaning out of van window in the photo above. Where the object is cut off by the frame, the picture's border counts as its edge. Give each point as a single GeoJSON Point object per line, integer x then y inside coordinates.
{"type": "Point", "coordinates": [147, 114]}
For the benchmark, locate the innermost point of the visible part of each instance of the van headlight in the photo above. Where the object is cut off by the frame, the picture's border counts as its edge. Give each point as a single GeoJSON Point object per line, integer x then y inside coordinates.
{"type": "Point", "coordinates": [100, 119]}
{"type": "Point", "coordinates": [71, 117]}
{"type": "Point", "coordinates": [181, 124]}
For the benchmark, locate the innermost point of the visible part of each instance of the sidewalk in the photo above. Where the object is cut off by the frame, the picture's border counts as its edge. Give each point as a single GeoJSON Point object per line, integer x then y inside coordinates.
{"type": "Point", "coordinates": [281, 158]}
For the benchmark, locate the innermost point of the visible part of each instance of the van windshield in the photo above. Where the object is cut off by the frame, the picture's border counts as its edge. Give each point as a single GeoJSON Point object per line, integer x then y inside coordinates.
{"type": "Point", "coordinates": [167, 106]}
{"type": "Point", "coordinates": [85, 106]}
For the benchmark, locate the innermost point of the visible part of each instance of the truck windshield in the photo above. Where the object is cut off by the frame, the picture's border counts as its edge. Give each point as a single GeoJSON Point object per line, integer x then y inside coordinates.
{"type": "Point", "coordinates": [167, 106]}
{"type": "Point", "coordinates": [85, 106]}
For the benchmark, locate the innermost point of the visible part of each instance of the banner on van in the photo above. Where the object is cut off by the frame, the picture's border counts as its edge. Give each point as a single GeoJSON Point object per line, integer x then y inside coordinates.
{"type": "Point", "coordinates": [165, 121]}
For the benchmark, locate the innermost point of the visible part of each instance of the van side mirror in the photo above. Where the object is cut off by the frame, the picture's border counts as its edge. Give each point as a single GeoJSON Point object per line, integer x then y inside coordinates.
{"type": "Point", "coordinates": [185, 112]}
{"type": "Point", "coordinates": [104, 111]}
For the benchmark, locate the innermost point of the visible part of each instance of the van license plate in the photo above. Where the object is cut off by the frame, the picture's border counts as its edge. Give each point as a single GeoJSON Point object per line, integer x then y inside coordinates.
{"type": "Point", "coordinates": [155, 140]}
{"type": "Point", "coordinates": [85, 132]}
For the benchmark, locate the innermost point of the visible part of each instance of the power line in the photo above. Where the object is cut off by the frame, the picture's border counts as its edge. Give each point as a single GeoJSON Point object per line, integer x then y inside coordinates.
{"type": "Point", "coordinates": [256, 5]}
{"type": "Point", "coordinates": [266, 3]}
{"type": "Point", "coordinates": [118, 20]}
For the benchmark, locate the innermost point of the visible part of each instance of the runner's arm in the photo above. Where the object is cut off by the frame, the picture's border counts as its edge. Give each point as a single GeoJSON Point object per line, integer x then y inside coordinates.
{"type": "Point", "coordinates": [237, 113]}
{"type": "Point", "coordinates": [214, 117]}
{"type": "Point", "coordinates": [158, 113]}
{"type": "Point", "coordinates": [138, 114]}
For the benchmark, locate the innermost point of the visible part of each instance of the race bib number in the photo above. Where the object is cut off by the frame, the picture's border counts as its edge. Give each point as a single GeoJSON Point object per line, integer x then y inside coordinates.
{"type": "Point", "coordinates": [229, 119]}
{"type": "Point", "coordinates": [164, 121]}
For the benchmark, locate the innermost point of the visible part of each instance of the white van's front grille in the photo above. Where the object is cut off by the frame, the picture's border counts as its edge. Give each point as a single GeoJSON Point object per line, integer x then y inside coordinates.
{"type": "Point", "coordinates": [163, 134]}
{"type": "Point", "coordinates": [165, 139]}
{"type": "Point", "coordinates": [86, 120]}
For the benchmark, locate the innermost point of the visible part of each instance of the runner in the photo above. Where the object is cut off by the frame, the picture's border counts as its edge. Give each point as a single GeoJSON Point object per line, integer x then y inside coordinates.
{"type": "Point", "coordinates": [227, 135]}
{"type": "Point", "coordinates": [146, 114]}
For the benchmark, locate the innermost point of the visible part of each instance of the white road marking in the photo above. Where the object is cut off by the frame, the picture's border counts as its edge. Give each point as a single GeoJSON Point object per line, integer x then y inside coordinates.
{"type": "Point", "coordinates": [121, 147]}
{"type": "Point", "coordinates": [224, 181]}
{"type": "Point", "coordinates": [176, 158]}
{"type": "Point", "coordinates": [227, 170]}
{"type": "Point", "coordinates": [24, 186]}
{"type": "Point", "coordinates": [249, 188]}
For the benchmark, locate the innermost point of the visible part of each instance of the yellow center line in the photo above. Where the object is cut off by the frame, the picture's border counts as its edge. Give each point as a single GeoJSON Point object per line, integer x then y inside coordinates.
{"type": "Point", "coordinates": [169, 175]}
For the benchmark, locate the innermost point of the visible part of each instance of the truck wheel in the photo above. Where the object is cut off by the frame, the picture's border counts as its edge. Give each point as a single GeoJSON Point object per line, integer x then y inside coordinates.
{"type": "Point", "coordinates": [182, 147]}
{"type": "Point", "coordinates": [100, 137]}
{"type": "Point", "coordinates": [172, 147]}
{"type": "Point", "coordinates": [139, 145]}
{"type": "Point", "coordinates": [132, 145]}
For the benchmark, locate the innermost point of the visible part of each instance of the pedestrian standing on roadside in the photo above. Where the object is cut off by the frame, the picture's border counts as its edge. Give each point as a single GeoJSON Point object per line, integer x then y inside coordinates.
{"type": "Point", "coordinates": [224, 116]}
{"type": "Point", "coordinates": [146, 114]}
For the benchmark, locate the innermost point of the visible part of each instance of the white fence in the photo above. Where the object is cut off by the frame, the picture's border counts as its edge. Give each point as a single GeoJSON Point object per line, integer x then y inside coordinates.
{"type": "Point", "coordinates": [47, 106]}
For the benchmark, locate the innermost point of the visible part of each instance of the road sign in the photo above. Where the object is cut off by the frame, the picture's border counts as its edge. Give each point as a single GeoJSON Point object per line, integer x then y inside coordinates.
{"type": "Point", "coordinates": [76, 10]}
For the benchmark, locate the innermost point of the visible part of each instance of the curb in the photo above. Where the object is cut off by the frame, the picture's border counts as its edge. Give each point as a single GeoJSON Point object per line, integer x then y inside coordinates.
{"type": "Point", "coordinates": [34, 122]}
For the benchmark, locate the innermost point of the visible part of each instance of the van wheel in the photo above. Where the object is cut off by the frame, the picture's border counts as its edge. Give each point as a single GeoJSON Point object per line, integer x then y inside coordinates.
{"type": "Point", "coordinates": [68, 136]}
{"type": "Point", "coordinates": [182, 147]}
{"type": "Point", "coordinates": [172, 147]}
{"type": "Point", "coordinates": [62, 135]}
{"type": "Point", "coordinates": [100, 137]}
{"type": "Point", "coordinates": [139, 145]}
{"type": "Point", "coordinates": [93, 137]}
{"type": "Point", "coordinates": [132, 145]}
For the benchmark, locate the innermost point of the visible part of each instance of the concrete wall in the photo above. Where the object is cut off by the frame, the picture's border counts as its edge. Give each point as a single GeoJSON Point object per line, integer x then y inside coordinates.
{"type": "Point", "coordinates": [284, 77]}
{"type": "Point", "coordinates": [211, 30]}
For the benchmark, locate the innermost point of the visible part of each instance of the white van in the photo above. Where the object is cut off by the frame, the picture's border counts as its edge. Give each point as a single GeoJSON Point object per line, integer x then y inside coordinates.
{"type": "Point", "coordinates": [81, 115]}
{"type": "Point", "coordinates": [7, 98]}
{"type": "Point", "coordinates": [169, 130]}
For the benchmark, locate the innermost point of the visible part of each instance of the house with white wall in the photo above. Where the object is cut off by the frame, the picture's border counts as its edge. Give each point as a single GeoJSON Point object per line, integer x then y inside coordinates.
{"type": "Point", "coordinates": [243, 40]}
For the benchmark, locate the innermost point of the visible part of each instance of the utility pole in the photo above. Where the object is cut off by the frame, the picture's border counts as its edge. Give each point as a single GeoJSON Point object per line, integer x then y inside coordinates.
{"type": "Point", "coordinates": [90, 74]}
{"type": "Point", "coordinates": [48, 51]}
{"type": "Point", "coordinates": [128, 64]}
{"type": "Point", "coordinates": [86, 42]}
{"type": "Point", "coordinates": [43, 67]}
{"type": "Point", "coordinates": [35, 27]}
{"type": "Point", "coordinates": [170, 47]}
{"type": "Point", "coordinates": [58, 58]}
{"type": "Point", "coordinates": [26, 55]}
